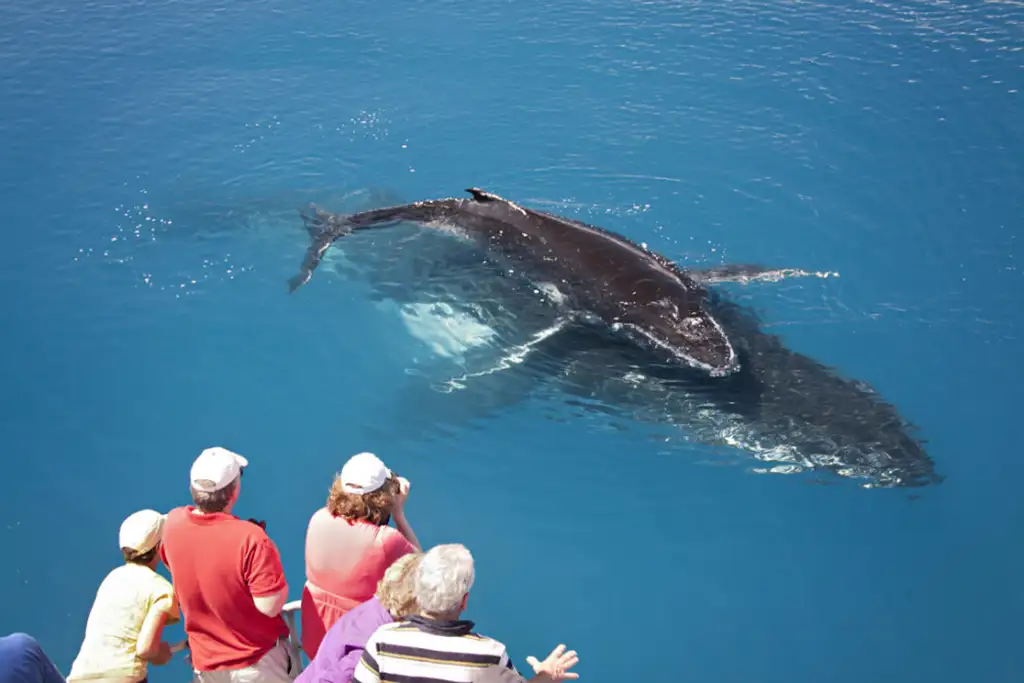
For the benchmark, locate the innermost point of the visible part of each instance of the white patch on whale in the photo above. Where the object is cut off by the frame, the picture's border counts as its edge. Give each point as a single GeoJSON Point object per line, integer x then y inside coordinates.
{"type": "Point", "coordinates": [551, 292]}
{"type": "Point", "coordinates": [682, 355]}
{"type": "Point", "coordinates": [780, 274]}
{"type": "Point", "coordinates": [448, 332]}
{"type": "Point", "coordinates": [444, 329]}
{"type": "Point", "coordinates": [451, 332]}
{"type": "Point", "coordinates": [517, 354]}
{"type": "Point", "coordinates": [450, 228]}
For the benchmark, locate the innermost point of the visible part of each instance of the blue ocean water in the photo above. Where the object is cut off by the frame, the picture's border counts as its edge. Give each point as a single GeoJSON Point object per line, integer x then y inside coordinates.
{"type": "Point", "coordinates": [154, 156]}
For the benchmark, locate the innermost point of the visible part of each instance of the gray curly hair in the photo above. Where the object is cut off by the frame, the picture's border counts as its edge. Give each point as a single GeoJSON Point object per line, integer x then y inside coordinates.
{"type": "Point", "coordinates": [444, 576]}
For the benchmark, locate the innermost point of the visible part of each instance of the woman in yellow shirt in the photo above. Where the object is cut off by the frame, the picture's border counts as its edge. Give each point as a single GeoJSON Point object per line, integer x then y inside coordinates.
{"type": "Point", "coordinates": [123, 634]}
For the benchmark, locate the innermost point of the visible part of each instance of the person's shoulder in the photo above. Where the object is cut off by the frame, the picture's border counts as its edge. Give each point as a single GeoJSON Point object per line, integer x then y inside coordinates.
{"type": "Point", "coordinates": [390, 629]}
{"type": "Point", "coordinates": [392, 626]}
{"type": "Point", "coordinates": [176, 514]}
{"type": "Point", "coordinates": [392, 540]}
{"type": "Point", "coordinates": [18, 649]}
{"type": "Point", "coordinates": [483, 638]}
{"type": "Point", "coordinates": [178, 524]}
{"type": "Point", "coordinates": [137, 575]}
{"type": "Point", "coordinates": [322, 514]}
{"type": "Point", "coordinates": [386, 633]}
{"type": "Point", "coordinates": [248, 528]}
{"type": "Point", "coordinates": [485, 644]}
{"type": "Point", "coordinates": [119, 572]}
{"type": "Point", "coordinates": [159, 582]}
{"type": "Point", "coordinates": [122, 577]}
{"type": "Point", "coordinates": [368, 607]}
{"type": "Point", "coordinates": [253, 539]}
{"type": "Point", "coordinates": [156, 587]}
{"type": "Point", "coordinates": [242, 529]}
{"type": "Point", "coordinates": [387, 531]}
{"type": "Point", "coordinates": [323, 525]}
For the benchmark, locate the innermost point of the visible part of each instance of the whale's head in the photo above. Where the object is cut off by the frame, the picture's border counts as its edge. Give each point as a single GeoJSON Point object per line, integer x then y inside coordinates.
{"type": "Point", "coordinates": [692, 336]}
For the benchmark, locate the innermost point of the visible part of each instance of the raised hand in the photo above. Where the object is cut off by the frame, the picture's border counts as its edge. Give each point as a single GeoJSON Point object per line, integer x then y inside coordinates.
{"type": "Point", "coordinates": [556, 666]}
{"type": "Point", "coordinates": [403, 493]}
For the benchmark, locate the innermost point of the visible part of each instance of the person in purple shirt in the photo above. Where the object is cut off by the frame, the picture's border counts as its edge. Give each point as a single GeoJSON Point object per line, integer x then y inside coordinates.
{"type": "Point", "coordinates": [341, 648]}
{"type": "Point", "coordinates": [22, 660]}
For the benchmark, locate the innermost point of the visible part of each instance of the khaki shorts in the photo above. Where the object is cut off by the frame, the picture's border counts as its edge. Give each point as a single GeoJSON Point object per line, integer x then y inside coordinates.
{"type": "Point", "coordinates": [275, 667]}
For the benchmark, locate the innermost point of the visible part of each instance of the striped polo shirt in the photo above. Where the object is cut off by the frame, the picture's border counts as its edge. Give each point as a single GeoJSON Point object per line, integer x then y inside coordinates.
{"type": "Point", "coordinates": [422, 650]}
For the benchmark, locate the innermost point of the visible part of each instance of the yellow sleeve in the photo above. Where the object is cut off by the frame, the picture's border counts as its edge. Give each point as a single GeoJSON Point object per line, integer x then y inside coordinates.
{"type": "Point", "coordinates": [164, 598]}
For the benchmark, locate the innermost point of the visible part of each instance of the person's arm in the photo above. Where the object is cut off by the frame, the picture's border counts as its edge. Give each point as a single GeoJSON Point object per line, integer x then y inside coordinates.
{"type": "Point", "coordinates": [398, 514]}
{"type": "Point", "coordinates": [265, 578]}
{"type": "Point", "coordinates": [271, 605]}
{"type": "Point", "coordinates": [346, 666]}
{"type": "Point", "coordinates": [149, 645]}
{"type": "Point", "coordinates": [403, 526]}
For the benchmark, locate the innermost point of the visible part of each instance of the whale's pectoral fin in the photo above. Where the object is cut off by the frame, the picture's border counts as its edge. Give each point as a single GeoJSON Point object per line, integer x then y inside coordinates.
{"type": "Point", "coordinates": [744, 273]}
{"type": "Point", "coordinates": [513, 356]}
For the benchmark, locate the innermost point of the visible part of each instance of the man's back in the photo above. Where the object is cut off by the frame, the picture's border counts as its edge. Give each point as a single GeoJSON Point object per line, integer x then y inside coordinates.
{"type": "Point", "coordinates": [423, 648]}
{"type": "Point", "coordinates": [218, 564]}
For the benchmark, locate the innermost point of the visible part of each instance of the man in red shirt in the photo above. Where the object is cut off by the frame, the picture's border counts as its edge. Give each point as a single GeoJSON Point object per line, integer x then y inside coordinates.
{"type": "Point", "coordinates": [229, 581]}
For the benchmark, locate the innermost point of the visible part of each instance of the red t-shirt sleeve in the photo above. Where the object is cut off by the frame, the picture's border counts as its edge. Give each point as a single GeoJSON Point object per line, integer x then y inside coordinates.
{"type": "Point", "coordinates": [263, 572]}
{"type": "Point", "coordinates": [396, 545]}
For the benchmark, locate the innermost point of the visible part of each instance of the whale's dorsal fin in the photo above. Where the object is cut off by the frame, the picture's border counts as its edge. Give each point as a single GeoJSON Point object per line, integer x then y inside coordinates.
{"type": "Point", "coordinates": [484, 196]}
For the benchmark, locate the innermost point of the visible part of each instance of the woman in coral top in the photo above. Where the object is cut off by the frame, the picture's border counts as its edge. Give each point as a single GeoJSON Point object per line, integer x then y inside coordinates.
{"type": "Point", "coordinates": [349, 544]}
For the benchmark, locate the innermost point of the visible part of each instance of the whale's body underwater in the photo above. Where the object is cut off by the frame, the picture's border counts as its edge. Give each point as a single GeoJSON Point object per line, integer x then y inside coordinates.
{"type": "Point", "coordinates": [783, 407]}
{"type": "Point", "coordinates": [780, 406]}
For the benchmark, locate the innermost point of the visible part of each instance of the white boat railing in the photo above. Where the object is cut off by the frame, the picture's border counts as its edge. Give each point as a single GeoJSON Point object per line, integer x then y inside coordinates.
{"type": "Point", "coordinates": [290, 613]}
{"type": "Point", "coordinates": [291, 616]}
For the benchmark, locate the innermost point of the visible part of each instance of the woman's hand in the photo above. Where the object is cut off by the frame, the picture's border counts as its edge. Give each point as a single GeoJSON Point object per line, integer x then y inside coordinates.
{"type": "Point", "coordinates": [401, 495]}
{"type": "Point", "coordinates": [163, 654]}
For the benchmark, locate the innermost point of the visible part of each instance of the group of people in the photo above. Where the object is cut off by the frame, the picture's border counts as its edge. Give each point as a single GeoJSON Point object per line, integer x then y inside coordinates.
{"type": "Point", "coordinates": [375, 606]}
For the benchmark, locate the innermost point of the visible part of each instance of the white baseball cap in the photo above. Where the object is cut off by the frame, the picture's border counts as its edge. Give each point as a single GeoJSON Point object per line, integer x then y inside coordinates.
{"type": "Point", "coordinates": [215, 468]}
{"type": "Point", "coordinates": [141, 531]}
{"type": "Point", "coordinates": [364, 473]}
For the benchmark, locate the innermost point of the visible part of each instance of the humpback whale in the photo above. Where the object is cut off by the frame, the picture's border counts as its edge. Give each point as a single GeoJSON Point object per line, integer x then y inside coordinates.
{"type": "Point", "coordinates": [783, 410]}
{"type": "Point", "coordinates": [596, 275]}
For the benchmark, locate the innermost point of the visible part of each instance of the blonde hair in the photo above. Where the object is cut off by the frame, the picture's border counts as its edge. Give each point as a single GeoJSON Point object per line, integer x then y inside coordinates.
{"type": "Point", "coordinates": [396, 591]}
